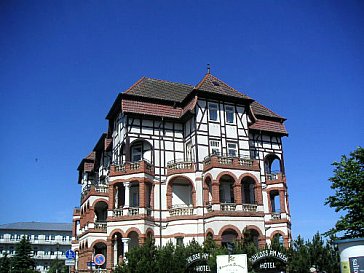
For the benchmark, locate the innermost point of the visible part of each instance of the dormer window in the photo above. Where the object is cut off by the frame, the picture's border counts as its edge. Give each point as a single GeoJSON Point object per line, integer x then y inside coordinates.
{"type": "Point", "coordinates": [213, 112]}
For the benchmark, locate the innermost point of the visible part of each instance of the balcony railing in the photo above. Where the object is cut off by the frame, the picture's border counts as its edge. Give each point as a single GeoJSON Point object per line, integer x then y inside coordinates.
{"type": "Point", "coordinates": [180, 166]}
{"type": "Point", "coordinates": [133, 211]}
{"type": "Point", "coordinates": [101, 226]}
{"type": "Point", "coordinates": [231, 162]}
{"type": "Point", "coordinates": [275, 177]}
{"type": "Point", "coordinates": [142, 166]}
{"type": "Point", "coordinates": [117, 212]}
{"type": "Point", "coordinates": [99, 188]}
{"type": "Point", "coordinates": [276, 216]}
{"type": "Point", "coordinates": [250, 207]}
{"type": "Point", "coordinates": [228, 206]}
{"type": "Point", "coordinates": [181, 210]}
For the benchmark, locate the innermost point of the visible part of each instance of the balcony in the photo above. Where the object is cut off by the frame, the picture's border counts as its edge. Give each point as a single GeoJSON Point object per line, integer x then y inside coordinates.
{"type": "Point", "coordinates": [100, 190]}
{"type": "Point", "coordinates": [275, 216]}
{"type": "Point", "coordinates": [142, 166]}
{"type": "Point", "coordinates": [250, 207]}
{"type": "Point", "coordinates": [272, 178]}
{"type": "Point", "coordinates": [180, 166]}
{"type": "Point", "coordinates": [229, 162]}
{"type": "Point", "coordinates": [228, 206]}
{"type": "Point", "coordinates": [181, 210]}
{"type": "Point", "coordinates": [102, 226]}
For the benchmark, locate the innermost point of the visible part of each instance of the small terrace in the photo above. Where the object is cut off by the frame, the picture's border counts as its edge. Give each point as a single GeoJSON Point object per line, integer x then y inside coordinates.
{"type": "Point", "coordinates": [141, 166]}
{"type": "Point", "coordinates": [230, 162]}
{"type": "Point", "coordinates": [181, 210]}
{"type": "Point", "coordinates": [180, 166]}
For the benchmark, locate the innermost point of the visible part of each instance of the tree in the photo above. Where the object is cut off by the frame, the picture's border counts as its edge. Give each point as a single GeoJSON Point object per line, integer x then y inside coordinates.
{"type": "Point", "coordinates": [348, 183]}
{"type": "Point", "coordinates": [58, 266]}
{"type": "Point", "coordinates": [22, 261]}
{"type": "Point", "coordinates": [5, 264]}
{"type": "Point", "coordinates": [318, 253]}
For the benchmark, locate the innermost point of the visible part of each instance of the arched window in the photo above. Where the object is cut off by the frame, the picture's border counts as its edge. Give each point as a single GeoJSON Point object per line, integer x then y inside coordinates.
{"type": "Point", "coordinates": [226, 189]}
{"type": "Point", "coordinates": [248, 190]}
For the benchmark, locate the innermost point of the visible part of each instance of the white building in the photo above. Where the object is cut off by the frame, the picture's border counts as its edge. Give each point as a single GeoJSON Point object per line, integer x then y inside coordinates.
{"type": "Point", "coordinates": [180, 162]}
{"type": "Point", "coordinates": [49, 241]}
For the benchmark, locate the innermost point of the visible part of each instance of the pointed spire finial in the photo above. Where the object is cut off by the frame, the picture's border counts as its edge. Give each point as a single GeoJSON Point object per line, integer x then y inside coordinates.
{"type": "Point", "coordinates": [208, 68]}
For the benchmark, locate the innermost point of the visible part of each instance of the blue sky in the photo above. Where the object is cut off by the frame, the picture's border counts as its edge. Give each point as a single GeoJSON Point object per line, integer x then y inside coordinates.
{"type": "Point", "coordinates": [62, 64]}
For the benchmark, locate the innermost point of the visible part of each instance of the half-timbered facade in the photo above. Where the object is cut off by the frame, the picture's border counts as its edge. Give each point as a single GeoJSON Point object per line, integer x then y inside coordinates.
{"type": "Point", "coordinates": [180, 162]}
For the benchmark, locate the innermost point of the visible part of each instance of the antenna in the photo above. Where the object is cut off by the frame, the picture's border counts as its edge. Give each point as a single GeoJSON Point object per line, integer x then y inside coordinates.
{"type": "Point", "coordinates": [208, 68]}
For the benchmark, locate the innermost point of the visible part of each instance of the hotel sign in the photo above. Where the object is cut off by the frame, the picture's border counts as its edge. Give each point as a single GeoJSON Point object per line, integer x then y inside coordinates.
{"type": "Point", "coordinates": [269, 259]}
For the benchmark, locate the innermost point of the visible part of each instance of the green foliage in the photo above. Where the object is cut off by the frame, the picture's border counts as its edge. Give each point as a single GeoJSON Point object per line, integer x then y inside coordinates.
{"type": "Point", "coordinates": [22, 261]}
{"type": "Point", "coordinates": [5, 264]}
{"type": "Point", "coordinates": [347, 183]}
{"type": "Point", "coordinates": [323, 256]}
{"type": "Point", "coordinates": [58, 265]}
{"type": "Point", "coordinates": [302, 255]}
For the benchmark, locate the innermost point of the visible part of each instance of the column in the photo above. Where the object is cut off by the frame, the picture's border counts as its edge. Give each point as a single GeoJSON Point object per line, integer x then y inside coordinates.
{"type": "Point", "coordinates": [115, 250]}
{"type": "Point", "coordinates": [127, 194]}
{"type": "Point", "coordinates": [126, 245]}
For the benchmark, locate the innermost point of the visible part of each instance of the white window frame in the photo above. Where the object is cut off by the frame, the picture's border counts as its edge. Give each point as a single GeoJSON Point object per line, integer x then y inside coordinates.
{"type": "Point", "coordinates": [211, 107]}
{"type": "Point", "coordinates": [190, 155]}
{"type": "Point", "coordinates": [229, 144]}
{"type": "Point", "coordinates": [134, 153]}
{"type": "Point", "coordinates": [229, 109]}
{"type": "Point", "coordinates": [215, 148]}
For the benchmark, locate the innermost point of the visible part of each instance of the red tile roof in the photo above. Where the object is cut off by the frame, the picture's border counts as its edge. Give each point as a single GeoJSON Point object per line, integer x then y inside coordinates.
{"type": "Point", "coordinates": [153, 109]}
{"type": "Point", "coordinates": [269, 126]}
{"type": "Point", "coordinates": [212, 84]}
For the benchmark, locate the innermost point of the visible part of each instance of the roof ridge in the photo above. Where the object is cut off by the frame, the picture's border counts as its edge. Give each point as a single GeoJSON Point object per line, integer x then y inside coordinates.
{"type": "Point", "coordinates": [166, 81]}
{"type": "Point", "coordinates": [135, 84]}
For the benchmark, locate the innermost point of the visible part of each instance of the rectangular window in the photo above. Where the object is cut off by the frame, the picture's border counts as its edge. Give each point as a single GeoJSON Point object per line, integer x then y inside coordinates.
{"type": "Point", "coordinates": [36, 237]}
{"type": "Point", "coordinates": [47, 237]}
{"type": "Point", "coordinates": [53, 237]}
{"type": "Point", "coordinates": [213, 112]}
{"type": "Point", "coordinates": [1, 236]}
{"type": "Point", "coordinates": [189, 152]}
{"type": "Point", "coordinates": [18, 237]}
{"type": "Point", "coordinates": [136, 153]}
{"type": "Point", "coordinates": [179, 241]}
{"type": "Point", "coordinates": [12, 237]}
{"type": "Point", "coordinates": [215, 147]}
{"type": "Point", "coordinates": [52, 252]}
{"type": "Point", "coordinates": [64, 238]}
{"type": "Point", "coordinates": [232, 149]}
{"type": "Point", "coordinates": [229, 114]}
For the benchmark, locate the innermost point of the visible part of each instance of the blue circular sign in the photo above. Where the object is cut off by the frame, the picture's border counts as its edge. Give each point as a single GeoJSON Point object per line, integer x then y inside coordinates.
{"type": "Point", "coordinates": [70, 254]}
{"type": "Point", "coordinates": [99, 259]}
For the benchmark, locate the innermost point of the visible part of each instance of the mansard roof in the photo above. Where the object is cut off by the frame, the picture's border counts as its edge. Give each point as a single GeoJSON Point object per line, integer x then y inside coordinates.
{"type": "Point", "coordinates": [41, 226]}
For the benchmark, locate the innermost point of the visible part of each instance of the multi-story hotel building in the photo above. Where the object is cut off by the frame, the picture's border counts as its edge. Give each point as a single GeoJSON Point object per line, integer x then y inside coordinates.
{"type": "Point", "coordinates": [179, 162]}
{"type": "Point", "coordinates": [49, 241]}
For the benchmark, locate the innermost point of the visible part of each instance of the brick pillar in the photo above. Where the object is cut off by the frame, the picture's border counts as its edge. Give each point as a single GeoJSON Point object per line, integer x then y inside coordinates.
{"type": "Point", "coordinates": [282, 201]}
{"type": "Point", "coordinates": [258, 194]}
{"type": "Point", "coordinates": [112, 190]}
{"type": "Point", "coordinates": [205, 193]}
{"type": "Point", "coordinates": [142, 193]}
{"type": "Point", "coordinates": [237, 193]}
{"type": "Point", "coordinates": [109, 254]}
{"type": "Point", "coordinates": [194, 198]}
{"type": "Point", "coordinates": [215, 192]}
{"type": "Point", "coordinates": [169, 195]}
